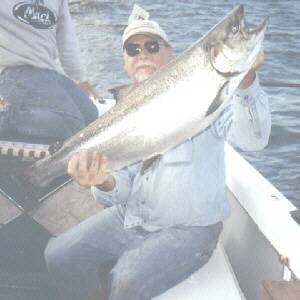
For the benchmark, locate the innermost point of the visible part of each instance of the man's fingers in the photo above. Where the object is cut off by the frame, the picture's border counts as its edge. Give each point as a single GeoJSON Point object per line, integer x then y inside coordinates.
{"type": "Point", "coordinates": [88, 88]}
{"type": "Point", "coordinates": [95, 162]}
{"type": "Point", "coordinates": [93, 92]}
{"type": "Point", "coordinates": [88, 168]}
{"type": "Point", "coordinates": [101, 175]}
{"type": "Point", "coordinates": [83, 163]}
{"type": "Point", "coordinates": [104, 163]}
{"type": "Point", "coordinates": [73, 165]}
{"type": "Point", "coordinates": [95, 166]}
{"type": "Point", "coordinates": [259, 60]}
{"type": "Point", "coordinates": [261, 57]}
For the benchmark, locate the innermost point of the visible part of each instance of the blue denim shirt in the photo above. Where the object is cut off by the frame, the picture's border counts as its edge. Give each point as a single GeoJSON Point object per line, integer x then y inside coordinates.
{"type": "Point", "coordinates": [187, 185]}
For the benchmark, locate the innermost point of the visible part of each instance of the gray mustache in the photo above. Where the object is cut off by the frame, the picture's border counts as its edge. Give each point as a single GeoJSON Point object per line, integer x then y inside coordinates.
{"type": "Point", "coordinates": [140, 64]}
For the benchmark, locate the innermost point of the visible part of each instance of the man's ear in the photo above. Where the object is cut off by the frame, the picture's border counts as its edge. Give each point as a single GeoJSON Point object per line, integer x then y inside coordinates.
{"type": "Point", "coordinates": [125, 60]}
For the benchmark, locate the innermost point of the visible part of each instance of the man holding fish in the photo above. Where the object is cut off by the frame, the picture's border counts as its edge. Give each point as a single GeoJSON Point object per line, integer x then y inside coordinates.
{"type": "Point", "coordinates": [164, 215]}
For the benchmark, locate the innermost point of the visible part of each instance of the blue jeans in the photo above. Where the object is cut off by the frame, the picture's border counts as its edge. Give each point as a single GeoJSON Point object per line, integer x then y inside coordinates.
{"type": "Point", "coordinates": [137, 264]}
{"type": "Point", "coordinates": [42, 103]}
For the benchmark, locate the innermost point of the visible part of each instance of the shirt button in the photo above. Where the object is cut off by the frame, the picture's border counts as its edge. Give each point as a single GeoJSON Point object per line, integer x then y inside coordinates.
{"type": "Point", "coordinates": [143, 202]}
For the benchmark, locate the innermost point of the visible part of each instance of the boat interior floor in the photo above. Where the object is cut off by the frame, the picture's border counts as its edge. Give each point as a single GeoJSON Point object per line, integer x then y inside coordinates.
{"type": "Point", "coordinates": [23, 273]}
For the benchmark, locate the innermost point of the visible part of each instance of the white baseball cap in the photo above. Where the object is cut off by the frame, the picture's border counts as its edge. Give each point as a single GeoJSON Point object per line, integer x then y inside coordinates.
{"type": "Point", "coordinates": [139, 23]}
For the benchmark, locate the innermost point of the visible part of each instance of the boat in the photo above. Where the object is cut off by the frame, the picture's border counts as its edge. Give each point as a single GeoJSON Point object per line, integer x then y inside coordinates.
{"type": "Point", "coordinates": [260, 240]}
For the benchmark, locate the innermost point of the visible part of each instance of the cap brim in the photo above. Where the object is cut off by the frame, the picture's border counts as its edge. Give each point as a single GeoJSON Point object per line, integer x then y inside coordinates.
{"type": "Point", "coordinates": [152, 35]}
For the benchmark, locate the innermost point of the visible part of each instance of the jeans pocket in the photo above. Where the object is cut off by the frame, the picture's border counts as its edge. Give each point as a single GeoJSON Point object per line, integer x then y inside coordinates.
{"type": "Point", "coordinates": [38, 123]}
{"type": "Point", "coordinates": [10, 83]}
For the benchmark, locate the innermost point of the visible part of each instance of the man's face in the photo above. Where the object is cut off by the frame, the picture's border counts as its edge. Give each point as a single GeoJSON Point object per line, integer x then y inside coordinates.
{"type": "Point", "coordinates": [140, 64]}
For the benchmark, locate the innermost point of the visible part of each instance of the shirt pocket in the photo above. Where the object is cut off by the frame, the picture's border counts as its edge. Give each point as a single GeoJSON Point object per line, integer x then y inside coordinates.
{"type": "Point", "coordinates": [182, 154]}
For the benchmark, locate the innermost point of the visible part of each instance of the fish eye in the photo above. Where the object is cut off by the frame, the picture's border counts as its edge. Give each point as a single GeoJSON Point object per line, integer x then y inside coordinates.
{"type": "Point", "coordinates": [235, 29]}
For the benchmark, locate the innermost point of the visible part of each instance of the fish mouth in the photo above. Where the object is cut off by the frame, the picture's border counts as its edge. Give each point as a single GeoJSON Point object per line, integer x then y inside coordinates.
{"type": "Point", "coordinates": [259, 29]}
{"type": "Point", "coordinates": [237, 52]}
{"type": "Point", "coordinates": [239, 13]}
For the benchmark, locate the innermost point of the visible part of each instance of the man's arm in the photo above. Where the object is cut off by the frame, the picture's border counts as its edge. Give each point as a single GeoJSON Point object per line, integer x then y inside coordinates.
{"type": "Point", "coordinates": [67, 44]}
{"type": "Point", "coordinates": [251, 75]}
{"type": "Point", "coordinates": [246, 122]}
{"type": "Point", "coordinates": [90, 169]}
{"type": "Point", "coordinates": [68, 50]}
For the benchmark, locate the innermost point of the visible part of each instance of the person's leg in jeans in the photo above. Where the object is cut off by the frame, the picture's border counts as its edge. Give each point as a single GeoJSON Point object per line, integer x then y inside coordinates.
{"type": "Point", "coordinates": [162, 260]}
{"type": "Point", "coordinates": [75, 258]}
{"type": "Point", "coordinates": [86, 107]}
{"type": "Point", "coordinates": [145, 264]}
{"type": "Point", "coordinates": [40, 105]}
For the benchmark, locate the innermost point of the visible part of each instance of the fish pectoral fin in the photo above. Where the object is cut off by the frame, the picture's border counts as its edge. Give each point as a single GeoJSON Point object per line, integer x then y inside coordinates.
{"type": "Point", "coordinates": [148, 163]}
{"type": "Point", "coordinates": [218, 99]}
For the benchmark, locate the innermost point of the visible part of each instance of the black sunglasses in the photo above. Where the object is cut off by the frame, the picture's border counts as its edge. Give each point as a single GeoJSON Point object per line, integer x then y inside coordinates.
{"type": "Point", "coordinates": [133, 49]}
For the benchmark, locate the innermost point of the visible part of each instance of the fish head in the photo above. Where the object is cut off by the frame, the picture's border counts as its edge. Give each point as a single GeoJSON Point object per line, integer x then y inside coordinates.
{"type": "Point", "coordinates": [233, 46]}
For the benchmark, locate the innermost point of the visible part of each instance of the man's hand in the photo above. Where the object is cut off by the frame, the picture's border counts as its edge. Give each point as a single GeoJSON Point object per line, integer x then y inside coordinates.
{"type": "Point", "coordinates": [3, 104]}
{"type": "Point", "coordinates": [250, 76]}
{"type": "Point", "coordinates": [90, 169]}
{"type": "Point", "coordinates": [88, 88]}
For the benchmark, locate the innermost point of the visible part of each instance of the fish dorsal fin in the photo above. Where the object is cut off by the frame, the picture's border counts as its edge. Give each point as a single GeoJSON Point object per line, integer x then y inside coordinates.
{"type": "Point", "coordinates": [119, 92]}
{"type": "Point", "coordinates": [138, 13]}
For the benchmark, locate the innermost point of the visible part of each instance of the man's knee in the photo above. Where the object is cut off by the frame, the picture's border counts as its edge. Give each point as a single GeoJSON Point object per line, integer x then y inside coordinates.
{"type": "Point", "coordinates": [56, 256]}
{"type": "Point", "coordinates": [123, 287]}
{"type": "Point", "coordinates": [51, 255]}
{"type": "Point", "coordinates": [125, 284]}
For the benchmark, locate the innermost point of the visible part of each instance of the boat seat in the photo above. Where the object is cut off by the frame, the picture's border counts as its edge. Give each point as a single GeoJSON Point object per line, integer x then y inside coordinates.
{"type": "Point", "coordinates": [215, 281]}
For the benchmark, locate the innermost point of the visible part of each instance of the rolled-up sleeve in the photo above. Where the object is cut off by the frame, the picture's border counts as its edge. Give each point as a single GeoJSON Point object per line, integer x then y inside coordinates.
{"type": "Point", "coordinates": [246, 121]}
{"type": "Point", "coordinates": [121, 191]}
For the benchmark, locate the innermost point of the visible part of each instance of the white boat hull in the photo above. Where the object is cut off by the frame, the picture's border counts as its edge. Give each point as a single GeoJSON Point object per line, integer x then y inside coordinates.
{"type": "Point", "coordinates": [260, 241]}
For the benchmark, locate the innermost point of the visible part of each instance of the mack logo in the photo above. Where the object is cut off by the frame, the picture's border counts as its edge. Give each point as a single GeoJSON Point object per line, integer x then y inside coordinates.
{"type": "Point", "coordinates": [38, 16]}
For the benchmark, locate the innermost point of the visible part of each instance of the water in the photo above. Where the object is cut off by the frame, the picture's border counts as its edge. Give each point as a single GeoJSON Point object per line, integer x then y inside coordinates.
{"type": "Point", "coordinates": [100, 24]}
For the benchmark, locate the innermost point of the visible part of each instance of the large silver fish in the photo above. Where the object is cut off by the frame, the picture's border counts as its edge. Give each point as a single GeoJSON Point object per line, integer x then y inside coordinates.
{"type": "Point", "coordinates": [177, 102]}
